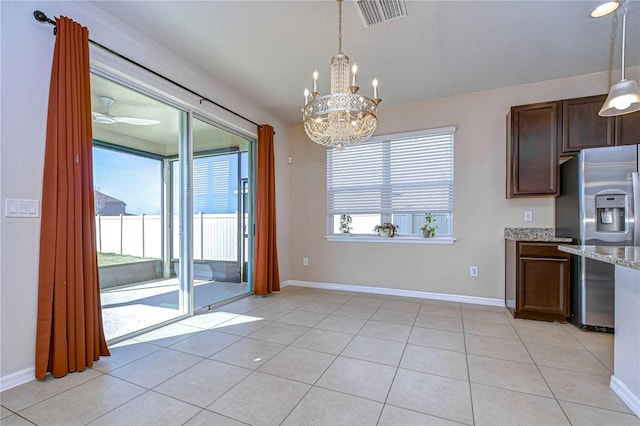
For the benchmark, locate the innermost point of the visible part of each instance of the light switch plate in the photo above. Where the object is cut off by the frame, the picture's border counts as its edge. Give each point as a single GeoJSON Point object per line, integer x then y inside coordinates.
{"type": "Point", "coordinates": [528, 216]}
{"type": "Point", "coordinates": [14, 207]}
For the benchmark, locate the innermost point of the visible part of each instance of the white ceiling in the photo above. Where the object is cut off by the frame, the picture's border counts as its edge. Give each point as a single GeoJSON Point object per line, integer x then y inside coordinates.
{"type": "Point", "coordinates": [269, 49]}
{"type": "Point", "coordinates": [161, 138]}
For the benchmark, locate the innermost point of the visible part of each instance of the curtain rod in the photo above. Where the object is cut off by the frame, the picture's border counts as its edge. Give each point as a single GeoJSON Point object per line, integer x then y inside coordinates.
{"type": "Point", "coordinates": [41, 17]}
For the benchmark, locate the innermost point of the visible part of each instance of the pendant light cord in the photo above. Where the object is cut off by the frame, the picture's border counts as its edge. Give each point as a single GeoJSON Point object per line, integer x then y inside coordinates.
{"type": "Point", "coordinates": [624, 33]}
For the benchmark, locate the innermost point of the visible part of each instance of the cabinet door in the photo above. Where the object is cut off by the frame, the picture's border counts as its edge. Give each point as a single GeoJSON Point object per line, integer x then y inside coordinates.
{"type": "Point", "coordinates": [628, 129]}
{"type": "Point", "coordinates": [543, 286]}
{"type": "Point", "coordinates": [582, 127]}
{"type": "Point", "coordinates": [532, 150]}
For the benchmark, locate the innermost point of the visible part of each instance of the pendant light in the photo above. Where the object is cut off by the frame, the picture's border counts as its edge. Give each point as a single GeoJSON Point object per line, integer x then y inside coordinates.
{"type": "Point", "coordinates": [624, 96]}
{"type": "Point", "coordinates": [604, 9]}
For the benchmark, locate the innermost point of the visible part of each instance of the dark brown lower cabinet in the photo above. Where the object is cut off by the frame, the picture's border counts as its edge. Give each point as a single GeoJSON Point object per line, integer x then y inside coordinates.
{"type": "Point", "coordinates": [537, 280]}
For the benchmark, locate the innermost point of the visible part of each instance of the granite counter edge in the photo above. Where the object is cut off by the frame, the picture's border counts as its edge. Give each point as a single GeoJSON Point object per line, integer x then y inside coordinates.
{"type": "Point", "coordinates": [590, 252]}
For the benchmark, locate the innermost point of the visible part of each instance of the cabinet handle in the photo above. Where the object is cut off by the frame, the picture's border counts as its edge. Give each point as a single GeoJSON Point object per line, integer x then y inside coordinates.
{"type": "Point", "coordinates": [550, 259]}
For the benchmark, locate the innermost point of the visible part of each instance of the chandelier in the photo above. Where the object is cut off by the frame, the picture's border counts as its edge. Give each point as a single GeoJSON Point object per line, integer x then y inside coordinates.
{"type": "Point", "coordinates": [344, 116]}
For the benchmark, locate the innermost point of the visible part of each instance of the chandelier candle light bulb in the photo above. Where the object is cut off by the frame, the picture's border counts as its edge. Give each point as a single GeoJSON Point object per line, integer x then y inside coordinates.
{"type": "Point", "coordinates": [354, 71]}
{"type": "Point", "coordinates": [342, 117]}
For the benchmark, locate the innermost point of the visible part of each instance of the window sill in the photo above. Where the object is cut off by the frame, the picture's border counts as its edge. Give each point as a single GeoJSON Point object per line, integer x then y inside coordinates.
{"type": "Point", "coordinates": [397, 239]}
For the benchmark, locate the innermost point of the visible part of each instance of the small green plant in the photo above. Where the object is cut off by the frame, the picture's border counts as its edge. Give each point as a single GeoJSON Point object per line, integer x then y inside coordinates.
{"type": "Point", "coordinates": [429, 228]}
{"type": "Point", "coordinates": [345, 223]}
{"type": "Point", "coordinates": [387, 227]}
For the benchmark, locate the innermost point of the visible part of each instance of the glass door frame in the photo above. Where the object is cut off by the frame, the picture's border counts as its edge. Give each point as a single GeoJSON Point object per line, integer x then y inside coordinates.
{"type": "Point", "coordinates": [185, 158]}
{"type": "Point", "coordinates": [251, 207]}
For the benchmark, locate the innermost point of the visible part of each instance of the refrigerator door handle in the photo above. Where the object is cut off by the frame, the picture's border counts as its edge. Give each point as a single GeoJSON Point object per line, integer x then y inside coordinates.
{"type": "Point", "coordinates": [636, 208]}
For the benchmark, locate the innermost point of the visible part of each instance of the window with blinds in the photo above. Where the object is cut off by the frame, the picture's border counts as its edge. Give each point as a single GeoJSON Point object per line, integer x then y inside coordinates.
{"type": "Point", "coordinates": [393, 178]}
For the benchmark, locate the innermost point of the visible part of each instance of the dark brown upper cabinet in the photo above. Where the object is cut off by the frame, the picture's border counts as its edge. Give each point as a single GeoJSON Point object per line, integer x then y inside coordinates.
{"type": "Point", "coordinates": [538, 134]}
{"type": "Point", "coordinates": [532, 150]}
{"type": "Point", "coordinates": [628, 129]}
{"type": "Point", "coordinates": [582, 127]}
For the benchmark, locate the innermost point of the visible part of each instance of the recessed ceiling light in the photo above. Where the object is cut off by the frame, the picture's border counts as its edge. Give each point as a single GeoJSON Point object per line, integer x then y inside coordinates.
{"type": "Point", "coordinates": [605, 9]}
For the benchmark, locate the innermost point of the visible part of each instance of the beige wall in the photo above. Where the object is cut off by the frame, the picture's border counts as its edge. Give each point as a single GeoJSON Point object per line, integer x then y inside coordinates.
{"type": "Point", "coordinates": [481, 210]}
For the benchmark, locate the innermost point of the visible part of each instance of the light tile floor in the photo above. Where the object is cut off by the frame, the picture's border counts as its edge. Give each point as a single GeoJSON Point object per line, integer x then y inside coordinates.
{"type": "Point", "coordinates": [311, 356]}
{"type": "Point", "coordinates": [133, 307]}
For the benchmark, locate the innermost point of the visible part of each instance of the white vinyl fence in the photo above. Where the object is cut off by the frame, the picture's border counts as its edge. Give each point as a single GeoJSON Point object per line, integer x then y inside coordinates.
{"type": "Point", "coordinates": [214, 236]}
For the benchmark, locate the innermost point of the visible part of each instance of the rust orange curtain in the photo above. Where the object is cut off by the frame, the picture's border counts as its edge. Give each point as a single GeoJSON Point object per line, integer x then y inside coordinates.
{"type": "Point", "coordinates": [69, 335]}
{"type": "Point", "coordinates": [266, 277]}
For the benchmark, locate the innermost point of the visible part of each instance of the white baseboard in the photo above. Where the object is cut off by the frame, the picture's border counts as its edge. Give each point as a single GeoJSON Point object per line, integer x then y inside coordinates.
{"type": "Point", "coordinates": [397, 292]}
{"type": "Point", "coordinates": [16, 379]}
{"type": "Point", "coordinates": [625, 394]}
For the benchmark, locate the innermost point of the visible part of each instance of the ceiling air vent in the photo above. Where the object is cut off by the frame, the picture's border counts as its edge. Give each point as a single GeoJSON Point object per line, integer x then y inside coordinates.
{"type": "Point", "coordinates": [377, 11]}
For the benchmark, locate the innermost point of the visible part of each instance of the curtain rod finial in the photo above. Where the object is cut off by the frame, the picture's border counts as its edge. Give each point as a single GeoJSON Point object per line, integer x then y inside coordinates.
{"type": "Point", "coordinates": [41, 17]}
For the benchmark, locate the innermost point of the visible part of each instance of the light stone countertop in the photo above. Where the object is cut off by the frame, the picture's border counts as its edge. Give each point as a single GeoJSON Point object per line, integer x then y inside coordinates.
{"type": "Point", "coordinates": [621, 256]}
{"type": "Point", "coordinates": [534, 234]}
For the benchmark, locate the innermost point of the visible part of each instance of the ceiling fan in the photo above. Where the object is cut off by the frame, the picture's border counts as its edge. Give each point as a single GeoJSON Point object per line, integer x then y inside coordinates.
{"type": "Point", "coordinates": [106, 118]}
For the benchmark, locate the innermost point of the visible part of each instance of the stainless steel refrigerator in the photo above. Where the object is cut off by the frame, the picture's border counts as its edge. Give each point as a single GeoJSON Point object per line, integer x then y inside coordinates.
{"type": "Point", "coordinates": [599, 204]}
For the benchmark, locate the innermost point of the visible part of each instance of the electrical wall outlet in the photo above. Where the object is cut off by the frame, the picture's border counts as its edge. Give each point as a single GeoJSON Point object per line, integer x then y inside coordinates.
{"type": "Point", "coordinates": [473, 271]}
{"type": "Point", "coordinates": [305, 261]}
{"type": "Point", "coordinates": [528, 216]}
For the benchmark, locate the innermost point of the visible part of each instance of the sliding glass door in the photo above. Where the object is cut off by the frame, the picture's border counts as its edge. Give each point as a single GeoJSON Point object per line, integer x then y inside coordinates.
{"type": "Point", "coordinates": [221, 207]}
{"type": "Point", "coordinates": [173, 209]}
{"type": "Point", "coordinates": [133, 135]}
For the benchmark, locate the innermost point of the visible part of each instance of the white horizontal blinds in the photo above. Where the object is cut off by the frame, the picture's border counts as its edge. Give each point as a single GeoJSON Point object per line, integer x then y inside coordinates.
{"type": "Point", "coordinates": [354, 179]}
{"type": "Point", "coordinates": [406, 174]}
{"type": "Point", "coordinates": [421, 174]}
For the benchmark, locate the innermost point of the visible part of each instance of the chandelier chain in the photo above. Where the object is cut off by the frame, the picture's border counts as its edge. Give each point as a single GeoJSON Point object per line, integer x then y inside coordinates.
{"type": "Point", "coordinates": [339, 25]}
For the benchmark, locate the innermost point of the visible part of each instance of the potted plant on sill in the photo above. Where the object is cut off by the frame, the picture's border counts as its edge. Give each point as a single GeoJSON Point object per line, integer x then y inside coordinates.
{"type": "Point", "coordinates": [386, 229]}
{"type": "Point", "coordinates": [345, 224]}
{"type": "Point", "coordinates": [429, 228]}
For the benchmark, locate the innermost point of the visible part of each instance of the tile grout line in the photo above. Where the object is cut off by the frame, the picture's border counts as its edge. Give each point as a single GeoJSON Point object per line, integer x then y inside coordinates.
{"type": "Point", "coordinates": [253, 371]}
{"type": "Point", "coordinates": [466, 357]}
{"type": "Point", "coordinates": [314, 384]}
{"type": "Point", "coordinates": [542, 375]}
{"type": "Point", "coordinates": [395, 374]}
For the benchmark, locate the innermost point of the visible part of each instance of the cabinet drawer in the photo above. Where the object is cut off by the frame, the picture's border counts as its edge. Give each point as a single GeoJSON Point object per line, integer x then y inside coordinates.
{"type": "Point", "coordinates": [549, 250]}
